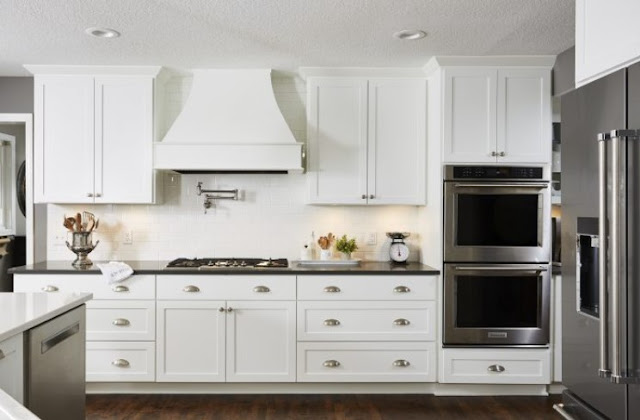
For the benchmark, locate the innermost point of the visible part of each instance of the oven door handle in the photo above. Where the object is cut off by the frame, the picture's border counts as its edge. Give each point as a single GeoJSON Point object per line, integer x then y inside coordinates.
{"type": "Point", "coordinates": [535, 268]}
{"type": "Point", "coordinates": [537, 186]}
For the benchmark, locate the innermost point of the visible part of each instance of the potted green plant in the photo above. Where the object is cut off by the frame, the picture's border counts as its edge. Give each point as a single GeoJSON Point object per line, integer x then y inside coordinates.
{"type": "Point", "coordinates": [346, 246]}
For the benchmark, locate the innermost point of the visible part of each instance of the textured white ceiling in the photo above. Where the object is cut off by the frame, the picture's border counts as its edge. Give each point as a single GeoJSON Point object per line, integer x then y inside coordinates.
{"type": "Point", "coordinates": [281, 34]}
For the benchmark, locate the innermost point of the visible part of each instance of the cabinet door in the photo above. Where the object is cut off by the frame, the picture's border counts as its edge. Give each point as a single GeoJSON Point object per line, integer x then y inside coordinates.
{"type": "Point", "coordinates": [261, 341]}
{"type": "Point", "coordinates": [124, 139]}
{"type": "Point", "coordinates": [524, 116]}
{"type": "Point", "coordinates": [63, 139]}
{"type": "Point", "coordinates": [12, 367]}
{"type": "Point", "coordinates": [337, 141]}
{"type": "Point", "coordinates": [190, 341]}
{"type": "Point", "coordinates": [469, 115]}
{"type": "Point", "coordinates": [397, 141]}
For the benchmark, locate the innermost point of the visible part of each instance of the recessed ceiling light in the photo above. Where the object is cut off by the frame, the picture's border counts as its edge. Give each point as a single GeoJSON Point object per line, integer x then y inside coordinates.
{"type": "Point", "coordinates": [410, 34]}
{"type": "Point", "coordinates": [102, 32]}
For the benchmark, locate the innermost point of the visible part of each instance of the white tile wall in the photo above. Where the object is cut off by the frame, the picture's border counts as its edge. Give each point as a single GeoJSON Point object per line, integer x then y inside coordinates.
{"type": "Point", "coordinates": [270, 220]}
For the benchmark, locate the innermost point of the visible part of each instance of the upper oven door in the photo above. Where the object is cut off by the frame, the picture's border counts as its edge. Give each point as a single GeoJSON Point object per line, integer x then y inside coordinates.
{"type": "Point", "coordinates": [497, 222]}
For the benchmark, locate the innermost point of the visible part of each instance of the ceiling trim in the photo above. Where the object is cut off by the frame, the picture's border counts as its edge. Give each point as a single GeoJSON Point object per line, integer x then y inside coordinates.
{"type": "Point", "coordinates": [110, 70]}
{"type": "Point", "coordinates": [306, 72]}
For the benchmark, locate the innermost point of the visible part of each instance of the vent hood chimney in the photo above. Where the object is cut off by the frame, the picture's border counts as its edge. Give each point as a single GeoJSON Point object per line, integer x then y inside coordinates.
{"type": "Point", "coordinates": [230, 123]}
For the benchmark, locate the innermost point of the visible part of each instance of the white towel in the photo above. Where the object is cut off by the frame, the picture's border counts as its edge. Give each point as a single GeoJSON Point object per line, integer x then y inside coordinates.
{"type": "Point", "coordinates": [115, 271]}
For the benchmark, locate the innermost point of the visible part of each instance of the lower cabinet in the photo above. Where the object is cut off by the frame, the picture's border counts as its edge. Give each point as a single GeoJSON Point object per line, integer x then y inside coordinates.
{"type": "Point", "coordinates": [232, 341]}
{"type": "Point", "coordinates": [496, 366]}
{"type": "Point", "coordinates": [12, 367]}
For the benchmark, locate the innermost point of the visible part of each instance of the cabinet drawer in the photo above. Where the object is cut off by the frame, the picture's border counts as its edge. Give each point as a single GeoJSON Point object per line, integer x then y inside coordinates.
{"type": "Point", "coordinates": [135, 287]}
{"type": "Point", "coordinates": [362, 321]}
{"type": "Point", "coordinates": [120, 361]}
{"type": "Point", "coordinates": [123, 320]}
{"type": "Point", "coordinates": [366, 362]}
{"type": "Point", "coordinates": [226, 287]}
{"type": "Point", "coordinates": [364, 287]}
{"type": "Point", "coordinates": [496, 366]}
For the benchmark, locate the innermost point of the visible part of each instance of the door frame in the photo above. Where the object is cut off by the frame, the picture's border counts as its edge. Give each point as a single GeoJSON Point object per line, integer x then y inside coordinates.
{"type": "Point", "coordinates": [27, 120]}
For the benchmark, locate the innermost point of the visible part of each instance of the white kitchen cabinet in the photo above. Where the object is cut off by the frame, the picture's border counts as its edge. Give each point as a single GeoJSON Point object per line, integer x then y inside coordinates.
{"type": "Point", "coordinates": [367, 140]}
{"type": "Point", "coordinates": [12, 367]}
{"type": "Point", "coordinates": [606, 37]}
{"type": "Point", "coordinates": [190, 341]}
{"type": "Point", "coordinates": [93, 138]}
{"type": "Point", "coordinates": [261, 341]}
{"type": "Point", "coordinates": [497, 114]}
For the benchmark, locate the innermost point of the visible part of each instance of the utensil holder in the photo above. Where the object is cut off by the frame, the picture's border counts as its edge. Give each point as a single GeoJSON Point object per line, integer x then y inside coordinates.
{"type": "Point", "coordinates": [325, 254]}
{"type": "Point", "coordinates": [81, 245]}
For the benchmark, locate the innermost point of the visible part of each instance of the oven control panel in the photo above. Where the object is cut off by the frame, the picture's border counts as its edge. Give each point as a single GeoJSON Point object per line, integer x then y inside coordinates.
{"type": "Point", "coordinates": [495, 172]}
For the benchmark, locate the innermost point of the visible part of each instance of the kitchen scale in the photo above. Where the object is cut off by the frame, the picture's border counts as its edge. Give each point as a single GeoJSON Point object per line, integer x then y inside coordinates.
{"type": "Point", "coordinates": [398, 250]}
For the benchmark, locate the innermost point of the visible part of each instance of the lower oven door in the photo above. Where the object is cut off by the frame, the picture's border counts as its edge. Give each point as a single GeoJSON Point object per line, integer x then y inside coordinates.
{"type": "Point", "coordinates": [496, 304]}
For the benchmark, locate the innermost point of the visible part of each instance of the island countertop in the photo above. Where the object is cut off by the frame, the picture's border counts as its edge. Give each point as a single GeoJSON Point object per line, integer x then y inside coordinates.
{"type": "Point", "coordinates": [158, 267]}
{"type": "Point", "coordinates": [23, 311]}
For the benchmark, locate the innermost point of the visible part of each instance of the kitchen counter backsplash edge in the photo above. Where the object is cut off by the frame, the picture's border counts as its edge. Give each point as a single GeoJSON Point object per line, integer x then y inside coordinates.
{"type": "Point", "coordinates": [158, 267]}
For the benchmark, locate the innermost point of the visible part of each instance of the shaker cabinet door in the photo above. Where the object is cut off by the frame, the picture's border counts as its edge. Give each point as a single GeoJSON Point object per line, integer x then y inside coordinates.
{"type": "Point", "coordinates": [63, 139]}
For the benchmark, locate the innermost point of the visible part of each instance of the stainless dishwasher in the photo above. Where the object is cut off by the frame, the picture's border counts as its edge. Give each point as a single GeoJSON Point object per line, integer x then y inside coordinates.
{"type": "Point", "coordinates": [55, 371]}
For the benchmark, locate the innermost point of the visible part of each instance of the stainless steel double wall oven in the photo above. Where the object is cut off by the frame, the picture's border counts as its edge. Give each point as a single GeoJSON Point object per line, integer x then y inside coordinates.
{"type": "Point", "coordinates": [497, 249]}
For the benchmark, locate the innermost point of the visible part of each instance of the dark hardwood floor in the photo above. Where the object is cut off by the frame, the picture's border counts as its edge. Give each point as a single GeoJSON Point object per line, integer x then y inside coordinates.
{"type": "Point", "coordinates": [312, 407]}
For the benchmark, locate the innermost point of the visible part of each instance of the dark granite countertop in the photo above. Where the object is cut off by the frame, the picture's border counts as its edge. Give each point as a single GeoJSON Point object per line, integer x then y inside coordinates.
{"type": "Point", "coordinates": [158, 267]}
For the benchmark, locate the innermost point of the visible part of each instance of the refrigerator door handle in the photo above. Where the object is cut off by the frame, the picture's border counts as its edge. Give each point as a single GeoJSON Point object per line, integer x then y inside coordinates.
{"type": "Point", "coordinates": [604, 370]}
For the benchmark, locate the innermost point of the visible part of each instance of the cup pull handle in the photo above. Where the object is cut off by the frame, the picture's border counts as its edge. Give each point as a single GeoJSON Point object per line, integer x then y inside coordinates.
{"type": "Point", "coordinates": [121, 322]}
{"type": "Point", "coordinates": [50, 288]}
{"type": "Point", "coordinates": [401, 363]}
{"type": "Point", "coordinates": [331, 364]}
{"type": "Point", "coordinates": [496, 368]}
{"type": "Point", "coordinates": [191, 289]}
{"type": "Point", "coordinates": [261, 289]}
{"type": "Point", "coordinates": [332, 289]}
{"type": "Point", "coordinates": [401, 322]}
{"type": "Point", "coordinates": [120, 363]}
{"type": "Point", "coordinates": [331, 322]}
{"type": "Point", "coordinates": [401, 289]}
{"type": "Point", "coordinates": [120, 289]}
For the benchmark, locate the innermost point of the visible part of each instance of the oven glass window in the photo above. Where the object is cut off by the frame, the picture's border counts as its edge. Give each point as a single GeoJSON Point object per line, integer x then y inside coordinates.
{"type": "Point", "coordinates": [497, 220]}
{"type": "Point", "coordinates": [497, 302]}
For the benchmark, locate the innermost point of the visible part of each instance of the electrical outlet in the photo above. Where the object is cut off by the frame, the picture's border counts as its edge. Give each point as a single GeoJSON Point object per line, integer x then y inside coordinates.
{"type": "Point", "coordinates": [371, 239]}
{"type": "Point", "coordinates": [128, 237]}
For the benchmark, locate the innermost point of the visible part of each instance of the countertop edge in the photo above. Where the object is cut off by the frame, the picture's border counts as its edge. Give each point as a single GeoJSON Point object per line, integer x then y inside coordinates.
{"type": "Point", "coordinates": [11, 409]}
{"type": "Point", "coordinates": [80, 299]}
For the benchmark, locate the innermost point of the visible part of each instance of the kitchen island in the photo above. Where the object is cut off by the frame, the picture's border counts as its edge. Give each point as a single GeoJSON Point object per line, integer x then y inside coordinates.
{"type": "Point", "coordinates": [34, 342]}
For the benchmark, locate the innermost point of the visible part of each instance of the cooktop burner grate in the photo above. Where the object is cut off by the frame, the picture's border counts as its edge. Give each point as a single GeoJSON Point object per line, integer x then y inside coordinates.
{"type": "Point", "coordinates": [214, 263]}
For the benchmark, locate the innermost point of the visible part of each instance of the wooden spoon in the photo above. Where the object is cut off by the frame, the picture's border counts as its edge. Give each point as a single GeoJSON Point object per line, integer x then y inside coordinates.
{"type": "Point", "coordinates": [68, 223]}
{"type": "Point", "coordinates": [78, 227]}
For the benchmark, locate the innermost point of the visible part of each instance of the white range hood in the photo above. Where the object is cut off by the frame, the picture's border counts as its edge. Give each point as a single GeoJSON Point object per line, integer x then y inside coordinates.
{"type": "Point", "coordinates": [230, 123]}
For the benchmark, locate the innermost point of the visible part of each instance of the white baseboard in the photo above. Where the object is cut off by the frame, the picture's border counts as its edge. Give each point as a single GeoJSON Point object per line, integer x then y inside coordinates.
{"type": "Point", "coordinates": [489, 389]}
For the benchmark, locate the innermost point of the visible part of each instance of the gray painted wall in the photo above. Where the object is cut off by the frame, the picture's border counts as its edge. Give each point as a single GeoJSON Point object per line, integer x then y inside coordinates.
{"type": "Point", "coordinates": [16, 95]}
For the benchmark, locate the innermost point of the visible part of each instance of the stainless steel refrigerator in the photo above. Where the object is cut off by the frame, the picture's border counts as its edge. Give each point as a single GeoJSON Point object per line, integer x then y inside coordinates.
{"type": "Point", "coordinates": [601, 248]}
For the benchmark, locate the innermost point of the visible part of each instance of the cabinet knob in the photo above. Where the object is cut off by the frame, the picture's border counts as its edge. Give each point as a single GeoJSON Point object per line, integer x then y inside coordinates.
{"type": "Point", "coordinates": [191, 289]}
{"type": "Point", "coordinates": [331, 322]}
{"type": "Point", "coordinates": [221, 309]}
{"type": "Point", "coordinates": [120, 363]}
{"type": "Point", "coordinates": [261, 289]}
{"type": "Point", "coordinates": [496, 368]}
{"type": "Point", "coordinates": [121, 322]}
{"type": "Point", "coordinates": [401, 322]}
{"type": "Point", "coordinates": [50, 288]}
{"type": "Point", "coordinates": [401, 363]}
{"type": "Point", "coordinates": [332, 289]}
{"type": "Point", "coordinates": [401, 289]}
{"type": "Point", "coordinates": [501, 154]}
{"type": "Point", "coordinates": [229, 309]}
{"type": "Point", "coordinates": [98, 195]}
{"type": "Point", "coordinates": [89, 195]}
{"type": "Point", "coordinates": [494, 154]}
{"type": "Point", "coordinates": [364, 196]}
{"type": "Point", "coordinates": [120, 289]}
{"type": "Point", "coordinates": [331, 363]}
{"type": "Point", "coordinates": [371, 197]}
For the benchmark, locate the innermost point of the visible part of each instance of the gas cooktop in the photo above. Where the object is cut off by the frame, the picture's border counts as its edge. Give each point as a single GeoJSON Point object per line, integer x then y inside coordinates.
{"type": "Point", "coordinates": [218, 263]}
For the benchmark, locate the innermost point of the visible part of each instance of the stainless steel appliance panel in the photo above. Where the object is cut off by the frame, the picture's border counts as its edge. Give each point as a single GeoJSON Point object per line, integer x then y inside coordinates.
{"type": "Point", "coordinates": [55, 382]}
{"type": "Point", "coordinates": [496, 304]}
{"type": "Point", "coordinates": [592, 109]}
{"type": "Point", "coordinates": [497, 221]}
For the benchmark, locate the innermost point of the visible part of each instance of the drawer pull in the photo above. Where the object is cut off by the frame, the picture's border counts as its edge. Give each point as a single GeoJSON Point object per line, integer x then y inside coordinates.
{"type": "Point", "coordinates": [401, 289]}
{"type": "Point", "coordinates": [261, 289]}
{"type": "Point", "coordinates": [331, 322]}
{"type": "Point", "coordinates": [50, 288]}
{"type": "Point", "coordinates": [120, 289]}
{"type": "Point", "coordinates": [332, 289]}
{"type": "Point", "coordinates": [191, 289]}
{"type": "Point", "coordinates": [401, 363]}
{"type": "Point", "coordinates": [120, 363]}
{"type": "Point", "coordinates": [496, 368]}
{"type": "Point", "coordinates": [401, 322]}
{"type": "Point", "coordinates": [331, 364]}
{"type": "Point", "coordinates": [121, 322]}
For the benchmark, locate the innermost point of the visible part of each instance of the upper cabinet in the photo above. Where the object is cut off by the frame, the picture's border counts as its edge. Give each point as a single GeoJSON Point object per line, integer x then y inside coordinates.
{"type": "Point", "coordinates": [367, 140]}
{"type": "Point", "coordinates": [496, 114]}
{"type": "Point", "coordinates": [94, 136]}
{"type": "Point", "coordinates": [606, 37]}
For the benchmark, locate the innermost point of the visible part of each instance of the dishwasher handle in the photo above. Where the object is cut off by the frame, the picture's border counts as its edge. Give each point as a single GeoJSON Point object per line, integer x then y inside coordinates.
{"type": "Point", "coordinates": [59, 337]}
